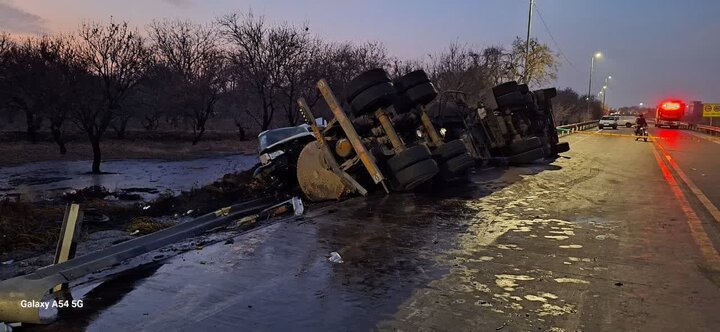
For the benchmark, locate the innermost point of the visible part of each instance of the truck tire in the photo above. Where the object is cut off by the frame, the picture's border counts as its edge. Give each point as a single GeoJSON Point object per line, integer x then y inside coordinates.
{"type": "Point", "coordinates": [561, 147]}
{"type": "Point", "coordinates": [416, 174]}
{"type": "Point", "coordinates": [449, 150]}
{"type": "Point", "coordinates": [422, 94]}
{"type": "Point", "coordinates": [407, 157]}
{"type": "Point", "coordinates": [525, 145]}
{"type": "Point", "coordinates": [411, 79]}
{"type": "Point", "coordinates": [365, 81]}
{"type": "Point", "coordinates": [526, 157]}
{"type": "Point", "coordinates": [505, 88]}
{"type": "Point", "coordinates": [375, 97]}
{"type": "Point", "coordinates": [456, 165]}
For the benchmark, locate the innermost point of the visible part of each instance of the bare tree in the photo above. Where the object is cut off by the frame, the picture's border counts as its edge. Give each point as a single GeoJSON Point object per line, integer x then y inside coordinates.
{"type": "Point", "coordinates": [347, 60]}
{"type": "Point", "coordinates": [6, 84]}
{"type": "Point", "coordinates": [459, 68]}
{"type": "Point", "coordinates": [191, 52]}
{"type": "Point", "coordinates": [253, 61]}
{"type": "Point", "coordinates": [399, 67]}
{"type": "Point", "coordinates": [296, 72]}
{"type": "Point", "coordinates": [541, 65]}
{"type": "Point", "coordinates": [25, 68]}
{"type": "Point", "coordinates": [116, 55]}
{"type": "Point", "coordinates": [65, 72]}
{"type": "Point", "coordinates": [496, 67]}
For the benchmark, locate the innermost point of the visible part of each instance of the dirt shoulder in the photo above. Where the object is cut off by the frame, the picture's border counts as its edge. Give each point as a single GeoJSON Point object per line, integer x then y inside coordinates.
{"type": "Point", "coordinates": [170, 146]}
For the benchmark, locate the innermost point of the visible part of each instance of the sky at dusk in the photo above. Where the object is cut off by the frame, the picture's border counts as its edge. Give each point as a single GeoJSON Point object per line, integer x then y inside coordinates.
{"type": "Point", "coordinates": [652, 48]}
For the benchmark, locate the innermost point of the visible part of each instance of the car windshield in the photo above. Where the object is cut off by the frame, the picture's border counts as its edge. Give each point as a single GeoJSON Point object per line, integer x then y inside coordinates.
{"type": "Point", "coordinates": [273, 136]}
{"type": "Point", "coordinates": [608, 118]}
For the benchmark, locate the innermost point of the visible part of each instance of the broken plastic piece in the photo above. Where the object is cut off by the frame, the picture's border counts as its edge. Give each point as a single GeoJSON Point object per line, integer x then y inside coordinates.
{"type": "Point", "coordinates": [298, 206]}
{"type": "Point", "coordinates": [335, 258]}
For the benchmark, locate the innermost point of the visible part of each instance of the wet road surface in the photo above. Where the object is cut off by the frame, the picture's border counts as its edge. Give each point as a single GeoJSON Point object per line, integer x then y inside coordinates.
{"type": "Point", "coordinates": [608, 238]}
{"type": "Point", "coordinates": [147, 177]}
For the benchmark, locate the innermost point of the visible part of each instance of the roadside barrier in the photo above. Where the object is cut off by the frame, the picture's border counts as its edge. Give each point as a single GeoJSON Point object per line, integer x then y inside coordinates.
{"type": "Point", "coordinates": [710, 130]}
{"type": "Point", "coordinates": [575, 127]}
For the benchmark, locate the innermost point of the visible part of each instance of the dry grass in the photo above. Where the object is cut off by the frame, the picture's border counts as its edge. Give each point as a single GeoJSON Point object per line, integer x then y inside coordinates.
{"type": "Point", "coordinates": [146, 225]}
{"type": "Point", "coordinates": [28, 227]}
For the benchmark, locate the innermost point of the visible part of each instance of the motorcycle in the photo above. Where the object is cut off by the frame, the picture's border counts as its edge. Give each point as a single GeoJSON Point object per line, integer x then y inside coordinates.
{"type": "Point", "coordinates": [641, 133]}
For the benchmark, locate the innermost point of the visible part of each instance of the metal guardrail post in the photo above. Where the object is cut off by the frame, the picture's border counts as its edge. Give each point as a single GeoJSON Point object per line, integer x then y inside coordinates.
{"type": "Point", "coordinates": [574, 127]}
{"type": "Point", "coordinates": [69, 237]}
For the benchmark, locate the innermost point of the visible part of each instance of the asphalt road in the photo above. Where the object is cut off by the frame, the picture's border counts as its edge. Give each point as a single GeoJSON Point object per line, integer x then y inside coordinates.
{"type": "Point", "coordinates": [607, 238]}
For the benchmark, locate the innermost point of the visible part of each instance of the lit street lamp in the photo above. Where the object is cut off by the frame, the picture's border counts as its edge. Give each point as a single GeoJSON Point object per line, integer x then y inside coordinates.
{"type": "Point", "coordinates": [605, 90]}
{"type": "Point", "coordinates": [597, 55]}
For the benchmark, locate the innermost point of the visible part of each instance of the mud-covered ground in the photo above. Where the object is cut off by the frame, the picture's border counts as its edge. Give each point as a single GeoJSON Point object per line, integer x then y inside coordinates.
{"type": "Point", "coordinates": [29, 230]}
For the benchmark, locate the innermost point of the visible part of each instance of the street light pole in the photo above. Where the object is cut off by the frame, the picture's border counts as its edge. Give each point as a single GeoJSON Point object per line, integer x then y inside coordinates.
{"type": "Point", "coordinates": [605, 91]}
{"type": "Point", "coordinates": [592, 67]}
{"type": "Point", "coordinates": [527, 39]}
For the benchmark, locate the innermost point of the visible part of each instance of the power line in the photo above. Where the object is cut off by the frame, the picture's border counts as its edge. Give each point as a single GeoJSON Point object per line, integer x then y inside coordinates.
{"type": "Point", "coordinates": [557, 45]}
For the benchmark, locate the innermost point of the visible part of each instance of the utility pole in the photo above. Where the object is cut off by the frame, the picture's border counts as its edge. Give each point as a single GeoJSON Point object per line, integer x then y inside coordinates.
{"type": "Point", "coordinates": [527, 39]}
{"type": "Point", "coordinates": [592, 67]}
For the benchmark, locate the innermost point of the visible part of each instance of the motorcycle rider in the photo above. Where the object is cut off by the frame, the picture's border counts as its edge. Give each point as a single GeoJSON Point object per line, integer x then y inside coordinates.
{"type": "Point", "coordinates": [640, 122]}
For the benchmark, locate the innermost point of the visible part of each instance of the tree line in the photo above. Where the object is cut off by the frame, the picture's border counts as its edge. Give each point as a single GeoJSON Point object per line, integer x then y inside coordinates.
{"type": "Point", "coordinates": [181, 73]}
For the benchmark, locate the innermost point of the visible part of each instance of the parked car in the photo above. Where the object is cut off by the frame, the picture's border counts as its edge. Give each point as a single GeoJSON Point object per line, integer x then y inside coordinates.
{"type": "Point", "coordinates": [626, 120]}
{"type": "Point", "coordinates": [608, 121]}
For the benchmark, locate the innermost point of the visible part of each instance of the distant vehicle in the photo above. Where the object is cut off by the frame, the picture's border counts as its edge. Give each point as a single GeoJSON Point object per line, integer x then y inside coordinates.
{"type": "Point", "coordinates": [626, 120]}
{"type": "Point", "coordinates": [669, 113]}
{"type": "Point", "coordinates": [608, 121]}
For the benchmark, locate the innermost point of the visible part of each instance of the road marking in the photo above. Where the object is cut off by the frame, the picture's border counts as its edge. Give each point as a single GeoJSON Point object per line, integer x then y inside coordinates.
{"type": "Point", "coordinates": [693, 188]}
{"type": "Point", "coordinates": [580, 140]}
{"type": "Point", "coordinates": [693, 221]}
{"type": "Point", "coordinates": [599, 133]}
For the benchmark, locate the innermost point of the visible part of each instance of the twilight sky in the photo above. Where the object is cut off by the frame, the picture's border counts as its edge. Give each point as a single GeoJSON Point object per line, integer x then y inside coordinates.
{"type": "Point", "coordinates": [652, 48]}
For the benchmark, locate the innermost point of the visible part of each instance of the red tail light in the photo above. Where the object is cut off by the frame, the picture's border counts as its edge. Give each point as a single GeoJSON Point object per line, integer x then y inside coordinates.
{"type": "Point", "coordinates": [671, 106]}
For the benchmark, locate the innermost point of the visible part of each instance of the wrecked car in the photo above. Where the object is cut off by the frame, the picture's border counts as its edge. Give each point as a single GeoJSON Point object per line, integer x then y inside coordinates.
{"type": "Point", "coordinates": [278, 151]}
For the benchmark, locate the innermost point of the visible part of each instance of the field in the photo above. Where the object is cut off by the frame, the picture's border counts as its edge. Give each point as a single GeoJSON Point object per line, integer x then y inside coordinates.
{"type": "Point", "coordinates": [16, 149]}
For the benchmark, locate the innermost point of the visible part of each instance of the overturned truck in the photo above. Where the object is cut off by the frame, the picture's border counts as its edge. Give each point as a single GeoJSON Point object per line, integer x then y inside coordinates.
{"type": "Point", "coordinates": [399, 135]}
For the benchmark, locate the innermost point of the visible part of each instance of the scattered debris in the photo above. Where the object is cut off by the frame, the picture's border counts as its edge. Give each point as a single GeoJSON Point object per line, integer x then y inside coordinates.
{"type": "Point", "coordinates": [335, 258]}
{"type": "Point", "coordinates": [571, 280]}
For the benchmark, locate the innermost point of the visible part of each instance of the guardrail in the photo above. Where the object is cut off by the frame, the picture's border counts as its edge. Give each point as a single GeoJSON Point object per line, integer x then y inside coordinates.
{"type": "Point", "coordinates": [710, 130]}
{"type": "Point", "coordinates": [571, 128]}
